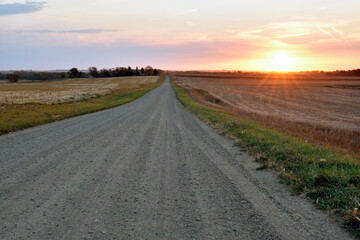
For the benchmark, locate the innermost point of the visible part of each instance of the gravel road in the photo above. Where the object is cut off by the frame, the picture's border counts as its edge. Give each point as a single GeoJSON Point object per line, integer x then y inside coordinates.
{"type": "Point", "coordinates": [145, 170]}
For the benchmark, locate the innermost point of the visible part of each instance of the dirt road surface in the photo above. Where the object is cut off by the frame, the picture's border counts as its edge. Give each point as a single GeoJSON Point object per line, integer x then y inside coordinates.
{"type": "Point", "coordinates": [145, 170]}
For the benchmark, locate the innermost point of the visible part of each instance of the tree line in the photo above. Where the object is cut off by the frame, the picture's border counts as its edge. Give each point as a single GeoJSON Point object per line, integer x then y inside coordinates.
{"type": "Point", "coordinates": [123, 71]}
{"type": "Point", "coordinates": [352, 73]}
{"type": "Point", "coordinates": [74, 72]}
{"type": "Point", "coordinates": [31, 75]}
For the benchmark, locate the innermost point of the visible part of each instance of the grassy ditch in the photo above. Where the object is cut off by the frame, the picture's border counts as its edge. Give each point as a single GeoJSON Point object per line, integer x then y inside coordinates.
{"type": "Point", "coordinates": [14, 117]}
{"type": "Point", "coordinates": [330, 179]}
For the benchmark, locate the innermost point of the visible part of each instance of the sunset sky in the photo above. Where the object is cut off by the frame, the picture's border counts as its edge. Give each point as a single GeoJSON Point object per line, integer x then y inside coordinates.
{"type": "Point", "coordinates": [262, 35]}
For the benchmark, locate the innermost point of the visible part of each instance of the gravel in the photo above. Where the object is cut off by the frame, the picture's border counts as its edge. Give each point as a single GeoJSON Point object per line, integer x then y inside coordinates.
{"type": "Point", "coordinates": [145, 170]}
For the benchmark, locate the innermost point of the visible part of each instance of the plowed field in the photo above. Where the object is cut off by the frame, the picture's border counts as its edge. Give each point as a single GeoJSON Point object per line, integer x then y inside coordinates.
{"type": "Point", "coordinates": [325, 111]}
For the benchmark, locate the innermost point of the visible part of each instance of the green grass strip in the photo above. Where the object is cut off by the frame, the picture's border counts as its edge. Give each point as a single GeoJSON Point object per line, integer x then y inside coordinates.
{"type": "Point", "coordinates": [14, 117]}
{"type": "Point", "coordinates": [329, 178]}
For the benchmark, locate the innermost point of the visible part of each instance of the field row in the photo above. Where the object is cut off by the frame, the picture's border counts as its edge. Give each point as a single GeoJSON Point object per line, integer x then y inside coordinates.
{"type": "Point", "coordinates": [312, 110]}
{"type": "Point", "coordinates": [329, 178]}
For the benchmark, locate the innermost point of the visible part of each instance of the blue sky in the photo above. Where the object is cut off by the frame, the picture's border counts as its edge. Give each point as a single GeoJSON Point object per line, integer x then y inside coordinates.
{"type": "Point", "coordinates": [197, 34]}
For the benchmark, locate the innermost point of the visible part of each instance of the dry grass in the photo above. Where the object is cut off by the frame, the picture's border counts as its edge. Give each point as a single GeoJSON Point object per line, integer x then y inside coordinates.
{"type": "Point", "coordinates": [305, 108]}
{"type": "Point", "coordinates": [66, 90]}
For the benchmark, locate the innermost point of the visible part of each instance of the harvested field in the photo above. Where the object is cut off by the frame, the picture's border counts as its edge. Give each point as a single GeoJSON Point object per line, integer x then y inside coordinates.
{"type": "Point", "coordinates": [303, 107]}
{"type": "Point", "coordinates": [14, 117]}
{"type": "Point", "coordinates": [66, 90]}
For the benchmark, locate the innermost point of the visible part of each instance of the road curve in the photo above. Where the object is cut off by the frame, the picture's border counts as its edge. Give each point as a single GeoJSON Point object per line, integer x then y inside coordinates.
{"type": "Point", "coordinates": [145, 170]}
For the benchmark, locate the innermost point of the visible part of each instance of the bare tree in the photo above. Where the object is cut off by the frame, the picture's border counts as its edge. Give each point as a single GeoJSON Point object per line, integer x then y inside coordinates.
{"type": "Point", "coordinates": [13, 77]}
{"type": "Point", "coordinates": [149, 71]}
{"type": "Point", "coordinates": [73, 72]}
{"type": "Point", "coordinates": [94, 72]}
{"type": "Point", "coordinates": [129, 71]}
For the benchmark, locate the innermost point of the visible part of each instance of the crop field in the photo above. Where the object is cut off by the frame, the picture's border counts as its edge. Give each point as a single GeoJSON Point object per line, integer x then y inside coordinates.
{"type": "Point", "coordinates": [323, 110]}
{"type": "Point", "coordinates": [66, 90]}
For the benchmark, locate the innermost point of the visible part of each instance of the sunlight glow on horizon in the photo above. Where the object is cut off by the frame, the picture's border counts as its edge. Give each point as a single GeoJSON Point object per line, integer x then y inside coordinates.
{"type": "Point", "coordinates": [181, 35]}
{"type": "Point", "coordinates": [281, 62]}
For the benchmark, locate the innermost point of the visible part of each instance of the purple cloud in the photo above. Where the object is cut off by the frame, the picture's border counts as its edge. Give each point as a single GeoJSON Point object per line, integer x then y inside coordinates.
{"type": "Point", "coordinates": [21, 8]}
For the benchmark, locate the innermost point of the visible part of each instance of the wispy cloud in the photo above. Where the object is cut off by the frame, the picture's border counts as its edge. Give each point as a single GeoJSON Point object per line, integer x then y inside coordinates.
{"type": "Point", "coordinates": [323, 31]}
{"type": "Point", "coordinates": [337, 31]}
{"type": "Point", "coordinates": [249, 34]}
{"type": "Point", "coordinates": [21, 8]}
{"type": "Point", "coordinates": [253, 31]}
{"type": "Point", "coordinates": [85, 31]}
{"type": "Point", "coordinates": [293, 35]}
{"type": "Point", "coordinates": [187, 12]}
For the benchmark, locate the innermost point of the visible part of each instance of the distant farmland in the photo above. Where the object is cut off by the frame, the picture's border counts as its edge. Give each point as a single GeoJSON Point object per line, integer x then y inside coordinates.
{"type": "Point", "coordinates": [66, 90]}
{"type": "Point", "coordinates": [324, 111]}
{"type": "Point", "coordinates": [28, 104]}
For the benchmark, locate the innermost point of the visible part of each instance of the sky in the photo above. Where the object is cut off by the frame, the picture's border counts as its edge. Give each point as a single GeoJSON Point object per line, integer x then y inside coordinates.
{"type": "Point", "coordinates": [261, 35]}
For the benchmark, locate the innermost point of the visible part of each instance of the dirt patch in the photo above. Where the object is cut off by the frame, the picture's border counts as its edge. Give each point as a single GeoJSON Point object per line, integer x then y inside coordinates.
{"type": "Point", "coordinates": [206, 96]}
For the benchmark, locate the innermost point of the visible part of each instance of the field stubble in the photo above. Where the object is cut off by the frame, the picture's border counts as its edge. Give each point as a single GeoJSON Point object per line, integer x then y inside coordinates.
{"type": "Point", "coordinates": [66, 90]}
{"type": "Point", "coordinates": [54, 101]}
{"type": "Point", "coordinates": [304, 108]}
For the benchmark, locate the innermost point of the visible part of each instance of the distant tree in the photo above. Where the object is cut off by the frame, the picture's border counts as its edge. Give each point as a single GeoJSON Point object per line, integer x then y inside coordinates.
{"type": "Point", "coordinates": [73, 73]}
{"type": "Point", "coordinates": [155, 72]}
{"type": "Point", "coordinates": [137, 73]}
{"type": "Point", "coordinates": [44, 76]}
{"type": "Point", "coordinates": [129, 71]}
{"type": "Point", "coordinates": [354, 72]}
{"type": "Point", "coordinates": [94, 72]}
{"type": "Point", "coordinates": [64, 75]}
{"type": "Point", "coordinates": [120, 72]}
{"type": "Point", "coordinates": [13, 77]}
{"type": "Point", "coordinates": [105, 73]}
{"type": "Point", "coordinates": [81, 75]}
{"type": "Point", "coordinates": [3, 76]}
{"type": "Point", "coordinates": [117, 72]}
{"type": "Point", "coordinates": [149, 71]}
{"type": "Point", "coordinates": [23, 74]}
{"type": "Point", "coordinates": [142, 71]}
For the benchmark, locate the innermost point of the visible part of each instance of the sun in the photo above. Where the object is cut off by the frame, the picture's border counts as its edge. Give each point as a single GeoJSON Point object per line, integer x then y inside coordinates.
{"type": "Point", "coordinates": [281, 62]}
